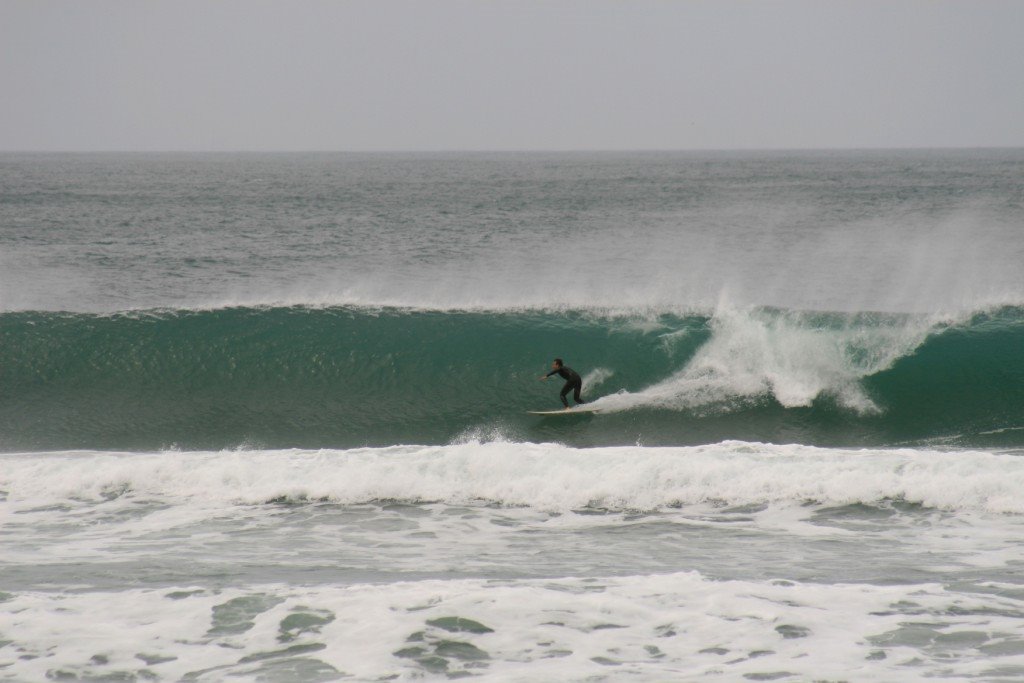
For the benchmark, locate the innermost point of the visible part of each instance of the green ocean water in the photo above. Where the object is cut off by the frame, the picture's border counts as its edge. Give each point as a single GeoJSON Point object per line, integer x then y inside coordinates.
{"type": "Point", "coordinates": [344, 377]}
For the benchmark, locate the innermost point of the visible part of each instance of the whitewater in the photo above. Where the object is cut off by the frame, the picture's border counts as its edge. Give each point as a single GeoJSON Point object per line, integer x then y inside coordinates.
{"type": "Point", "coordinates": [263, 416]}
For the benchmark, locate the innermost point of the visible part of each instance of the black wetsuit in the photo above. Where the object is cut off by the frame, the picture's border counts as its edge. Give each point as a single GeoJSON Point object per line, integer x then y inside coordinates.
{"type": "Point", "coordinates": [573, 381]}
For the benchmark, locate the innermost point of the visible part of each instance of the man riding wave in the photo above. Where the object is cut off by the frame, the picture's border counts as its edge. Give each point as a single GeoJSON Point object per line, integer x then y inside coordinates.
{"type": "Point", "coordinates": [573, 382]}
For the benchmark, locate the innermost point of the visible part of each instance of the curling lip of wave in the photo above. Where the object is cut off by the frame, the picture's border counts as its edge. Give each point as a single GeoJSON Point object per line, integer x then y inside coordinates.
{"type": "Point", "coordinates": [640, 308]}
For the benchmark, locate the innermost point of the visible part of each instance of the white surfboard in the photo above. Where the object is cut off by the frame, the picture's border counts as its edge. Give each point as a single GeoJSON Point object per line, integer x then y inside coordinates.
{"type": "Point", "coordinates": [572, 411]}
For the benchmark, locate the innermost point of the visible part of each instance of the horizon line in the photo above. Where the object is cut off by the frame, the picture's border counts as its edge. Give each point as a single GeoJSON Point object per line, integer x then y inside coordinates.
{"type": "Point", "coordinates": [593, 150]}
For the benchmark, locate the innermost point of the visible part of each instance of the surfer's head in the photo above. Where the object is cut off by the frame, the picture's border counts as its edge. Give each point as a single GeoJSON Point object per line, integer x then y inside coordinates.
{"type": "Point", "coordinates": [557, 363]}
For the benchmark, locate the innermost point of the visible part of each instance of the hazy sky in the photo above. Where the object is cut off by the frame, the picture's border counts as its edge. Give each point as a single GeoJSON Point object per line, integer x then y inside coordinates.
{"type": "Point", "coordinates": [428, 75]}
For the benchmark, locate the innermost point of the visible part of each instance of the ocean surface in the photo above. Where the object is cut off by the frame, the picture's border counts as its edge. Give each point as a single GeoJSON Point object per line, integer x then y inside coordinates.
{"type": "Point", "coordinates": [263, 417]}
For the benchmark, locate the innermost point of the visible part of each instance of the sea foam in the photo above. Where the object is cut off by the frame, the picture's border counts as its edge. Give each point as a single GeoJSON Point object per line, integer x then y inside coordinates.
{"type": "Point", "coordinates": [648, 627]}
{"type": "Point", "coordinates": [788, 355]}
{"type": "Point", "coordinates": [544, 476]}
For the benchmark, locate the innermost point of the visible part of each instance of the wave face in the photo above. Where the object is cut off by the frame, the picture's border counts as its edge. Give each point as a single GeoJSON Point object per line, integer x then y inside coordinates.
{"type": "Point", "coordinates": [346, 377]}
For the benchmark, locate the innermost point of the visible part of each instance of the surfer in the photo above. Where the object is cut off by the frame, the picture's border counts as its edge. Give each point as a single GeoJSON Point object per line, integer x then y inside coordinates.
{"type": "Point", "coordinates": [573, 382]}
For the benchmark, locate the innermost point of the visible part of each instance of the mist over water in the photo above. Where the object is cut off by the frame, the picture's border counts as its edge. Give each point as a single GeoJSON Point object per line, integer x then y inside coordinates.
{"type": "Point", "coordinates": [264, 416]}
{"type": "Point", "coordinates": [872, 231]}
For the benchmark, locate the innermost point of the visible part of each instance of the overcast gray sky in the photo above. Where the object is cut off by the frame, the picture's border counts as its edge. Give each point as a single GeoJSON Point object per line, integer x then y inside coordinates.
{"type": "Point", "coordinates": [430, 75]}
